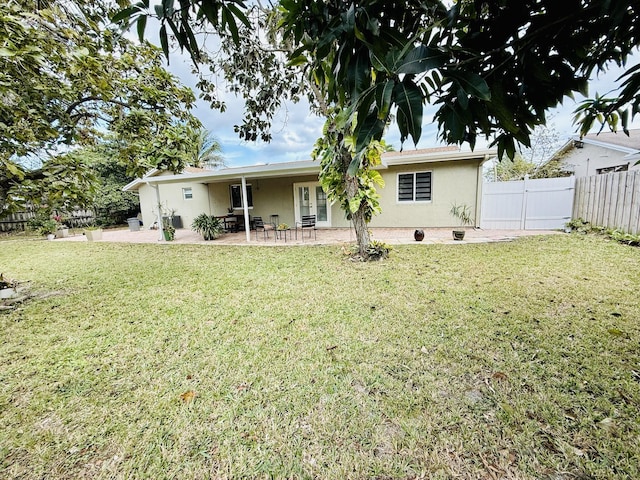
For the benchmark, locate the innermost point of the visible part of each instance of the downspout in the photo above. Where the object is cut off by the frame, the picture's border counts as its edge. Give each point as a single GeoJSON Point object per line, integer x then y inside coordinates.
{"type": "Point", "coordinates": [479, 192]}
{"type": "Point", "coordinates": [245, 208]}
{"type": "Point", "coordinates": [157, 187]}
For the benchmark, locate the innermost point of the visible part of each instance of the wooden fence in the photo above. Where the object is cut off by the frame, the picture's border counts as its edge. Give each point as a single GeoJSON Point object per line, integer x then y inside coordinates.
{"type": "Point", "coordinates": [18, 221]}
{"type": "Point", "coordinates": [611, 200]}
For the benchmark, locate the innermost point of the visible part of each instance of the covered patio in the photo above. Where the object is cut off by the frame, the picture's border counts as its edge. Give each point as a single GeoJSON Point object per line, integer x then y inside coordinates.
{"type": "Point", "coordinates": [325, 236]}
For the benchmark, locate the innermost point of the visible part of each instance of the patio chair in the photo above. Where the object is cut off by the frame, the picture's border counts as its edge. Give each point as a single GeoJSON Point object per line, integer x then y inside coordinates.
{"type": "Point", "coordinates": [259, 224]}
{"type": "Point", "coordinates": [308, 222]}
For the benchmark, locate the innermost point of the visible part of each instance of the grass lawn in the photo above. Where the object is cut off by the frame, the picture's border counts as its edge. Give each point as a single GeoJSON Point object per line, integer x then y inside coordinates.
{"type": "Point", "coordinates": [505, 360]}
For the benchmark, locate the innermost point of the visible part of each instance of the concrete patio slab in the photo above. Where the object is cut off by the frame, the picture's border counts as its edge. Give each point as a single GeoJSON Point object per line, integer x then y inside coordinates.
{"type": "Point", "coordinates": [325, 236]}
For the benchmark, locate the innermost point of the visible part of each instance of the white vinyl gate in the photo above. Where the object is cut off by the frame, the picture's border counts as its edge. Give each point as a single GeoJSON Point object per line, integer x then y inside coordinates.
{"type": "Point", "coordinates": [541, 204]}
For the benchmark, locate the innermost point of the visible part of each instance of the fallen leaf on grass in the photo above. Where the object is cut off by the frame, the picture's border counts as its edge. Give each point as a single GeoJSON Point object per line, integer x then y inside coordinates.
{"type": "Point", "coordinates": [499, 376]}
{"type": "Point", "coordinates": [188, 396]}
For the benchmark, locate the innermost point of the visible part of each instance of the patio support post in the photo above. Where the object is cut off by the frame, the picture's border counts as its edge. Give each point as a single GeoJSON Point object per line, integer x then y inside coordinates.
{"type": "Point", "coordinates": [157, 187]}
{"type": "Point", "coordinates": [245, 208]}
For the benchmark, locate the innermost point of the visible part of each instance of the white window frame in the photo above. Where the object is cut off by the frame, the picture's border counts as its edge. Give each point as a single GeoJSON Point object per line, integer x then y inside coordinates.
{"type": "Point", "coordinates": [239, 186]}
{"type": "Point", "coordinates": [414, 174]}
{"type": "Point", "coordinates": [187, 193]}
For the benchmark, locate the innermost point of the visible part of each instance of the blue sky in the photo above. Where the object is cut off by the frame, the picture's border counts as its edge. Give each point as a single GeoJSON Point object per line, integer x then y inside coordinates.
{"type": "Point", "coordinates": [295, 129]}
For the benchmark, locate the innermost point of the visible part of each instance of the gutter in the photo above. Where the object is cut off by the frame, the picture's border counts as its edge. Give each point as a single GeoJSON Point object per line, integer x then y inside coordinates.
{"type": "Point", "coordinates": [479, 181]}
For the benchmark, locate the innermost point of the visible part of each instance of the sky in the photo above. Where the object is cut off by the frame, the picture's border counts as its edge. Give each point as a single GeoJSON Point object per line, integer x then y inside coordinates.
{"type": "Point", "coordinates": [295, 128]}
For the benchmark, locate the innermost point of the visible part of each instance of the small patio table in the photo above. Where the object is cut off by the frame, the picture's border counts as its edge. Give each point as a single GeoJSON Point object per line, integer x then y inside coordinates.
{"type": "Point", "coordinates": [282, 232]}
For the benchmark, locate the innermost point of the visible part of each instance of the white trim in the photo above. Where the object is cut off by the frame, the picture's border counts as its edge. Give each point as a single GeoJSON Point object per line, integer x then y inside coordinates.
{"type": "Point", "coordinates": [243, 194]}
{"type": "Point", "coordinates": [300, 168]}
{"type": "Point", "coordinates": [245, 210]}
{"type": "Point", "coordinates": [611, 146]}
{"type": "Point", "coordinates": [296, 204]}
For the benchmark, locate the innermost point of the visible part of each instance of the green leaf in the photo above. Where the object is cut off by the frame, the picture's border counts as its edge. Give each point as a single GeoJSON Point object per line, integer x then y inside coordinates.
{"type": "Point", "coordinates": [141, 25]}
{"type": "Point", "coordinates": [124, 14]}
{"type": "Point", "coordinates": [408, 98]}
{"type": "Point", "coordinates": [299, 60]}
{"type": "Point", "coordinates": [471, 83]}
{"type": "Point", "coordinates": [419, 60]}
{"type": "Point", "coordinates": [371, 128]}
{"type": "Point", "coordinates": [13, 169]}
{"type": "Point", "coordinates": [5, 52]}
{"type": "Point", "coordinates": [229, 21]}
{"type": "Point", "coordinates": [164, 42]}
{"type": "Point", "coordinates": [384, 93]}
{"type": "Point", "coordinates": [354, 166]}
{"type": "Point", "coordinates": [239, 14]}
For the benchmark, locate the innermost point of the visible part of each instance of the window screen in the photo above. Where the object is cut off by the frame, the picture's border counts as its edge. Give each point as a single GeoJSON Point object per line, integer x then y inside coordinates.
{"type": "Point", "coordinates": [414, 187]}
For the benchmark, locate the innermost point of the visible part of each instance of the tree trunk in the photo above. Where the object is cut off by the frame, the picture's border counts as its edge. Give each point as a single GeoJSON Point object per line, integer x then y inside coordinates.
{"type": "Point", "coordinates": [357, 217]}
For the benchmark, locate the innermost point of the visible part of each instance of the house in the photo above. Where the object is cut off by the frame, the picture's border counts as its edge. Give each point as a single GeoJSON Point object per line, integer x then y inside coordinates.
{"type": "Point", "coordinates": [420, 188]}
{"type": "Point", "coordinates": [595, 154]}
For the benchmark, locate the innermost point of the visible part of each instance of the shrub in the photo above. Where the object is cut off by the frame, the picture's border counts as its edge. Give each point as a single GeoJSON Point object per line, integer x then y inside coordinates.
{"type": "Point", "coordinates": [580, 225]}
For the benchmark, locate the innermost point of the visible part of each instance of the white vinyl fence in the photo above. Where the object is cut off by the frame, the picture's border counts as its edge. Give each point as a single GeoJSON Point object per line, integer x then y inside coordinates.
{"type": "Point", "coordinates": [611, 200]}
{"type": "Point", "coordinates": [541, 204]}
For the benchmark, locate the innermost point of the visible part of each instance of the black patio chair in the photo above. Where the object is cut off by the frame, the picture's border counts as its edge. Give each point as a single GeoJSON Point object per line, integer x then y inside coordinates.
{"type": "Point", "coordinates": [259, 224]}
{"type": "Point", "coordinates": [308, 222]}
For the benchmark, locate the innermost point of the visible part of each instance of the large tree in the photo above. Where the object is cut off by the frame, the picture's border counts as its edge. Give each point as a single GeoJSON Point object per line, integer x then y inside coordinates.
{"type": "Point", "coordinates": [68, 78]}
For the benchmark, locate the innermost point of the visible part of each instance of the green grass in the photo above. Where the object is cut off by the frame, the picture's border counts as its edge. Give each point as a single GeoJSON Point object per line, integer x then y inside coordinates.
{"type": "Point", "coordinates": [505, 360]}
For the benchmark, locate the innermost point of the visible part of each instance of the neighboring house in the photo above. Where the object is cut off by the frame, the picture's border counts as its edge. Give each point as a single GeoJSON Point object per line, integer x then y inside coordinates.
{"type": "Point", "coordinates": [420, 188]}
{"type": "Point", "coordinates": [595, 154]}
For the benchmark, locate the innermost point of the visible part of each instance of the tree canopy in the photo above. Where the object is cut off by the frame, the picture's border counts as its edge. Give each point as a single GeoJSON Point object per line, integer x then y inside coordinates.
{"type": "Point", "coordinates": [493, 67]}
{"type": "Point", "coordinates": [69, 78]}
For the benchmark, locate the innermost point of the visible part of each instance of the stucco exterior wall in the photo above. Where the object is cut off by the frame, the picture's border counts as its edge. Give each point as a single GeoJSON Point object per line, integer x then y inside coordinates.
{"type": "Point", "coordinates": [452, 182]}
{"type": "Point", "coordinates": [172, 198]}
{"type": "Point", "coordinates": [270, 196]}
{"type": "Point", "coordinates": [587, 160]}
{"type": "Point", "coordinates": [455, 181]}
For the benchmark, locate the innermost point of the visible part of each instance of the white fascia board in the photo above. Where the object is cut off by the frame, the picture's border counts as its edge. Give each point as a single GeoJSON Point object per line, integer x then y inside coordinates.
{"type": "Point", "coordinates": [254, 171]}
{"type": "Point", "coordinates": [135, 184]}
{"type": "Point", "coordinates": [611, 146]}
{"type": "Point", "coordinates": [407, 159]}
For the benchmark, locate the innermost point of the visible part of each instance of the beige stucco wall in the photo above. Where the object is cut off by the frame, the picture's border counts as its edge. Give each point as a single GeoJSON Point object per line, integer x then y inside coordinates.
{"type": "Point", "coordinates": [587, 160]}
{"type": "Point", "coordinates": [172, 198]}
{"type": "Point", "coordinates": [270, 196]}
{"type": "Point", "coordinates": [452, 182]}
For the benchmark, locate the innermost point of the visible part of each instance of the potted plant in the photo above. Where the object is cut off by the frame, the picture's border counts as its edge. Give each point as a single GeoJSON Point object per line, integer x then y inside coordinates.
{"type": "Point", "coordinates": [48, 228]}
{"type": "Point", "coordinates": [62, 231]}
{"type": "Point", "coordinates": [463, 213]}
{"type": "Point", "coordinates": [208, 226]}
{"type": "Point", "coordinates": [93, 234]}
{"type": "Point", "coordinates": [168, 230]}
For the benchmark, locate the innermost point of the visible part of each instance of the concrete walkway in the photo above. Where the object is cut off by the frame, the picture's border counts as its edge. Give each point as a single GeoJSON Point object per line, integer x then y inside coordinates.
{"type": "Point", "coordinates": [325, 236]}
